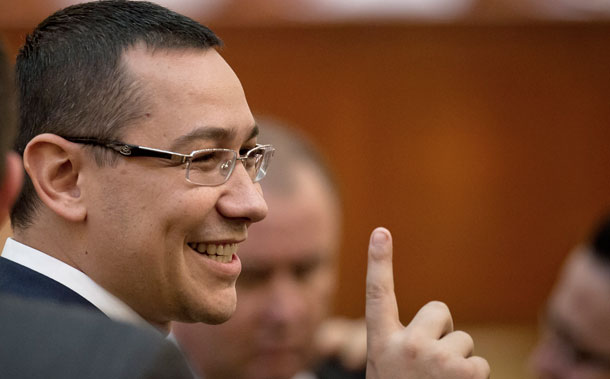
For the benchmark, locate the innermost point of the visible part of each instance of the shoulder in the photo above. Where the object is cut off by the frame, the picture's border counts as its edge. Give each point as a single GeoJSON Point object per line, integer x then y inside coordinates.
{"type": "Point", "coordinates": [47, 340]}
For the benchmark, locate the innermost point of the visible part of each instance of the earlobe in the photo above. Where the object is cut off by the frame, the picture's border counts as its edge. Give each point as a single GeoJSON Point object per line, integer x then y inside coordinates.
{"type": "Point", "coordinates": [11, 183]}
{"type": "Point", "coordinates": [53, 165]}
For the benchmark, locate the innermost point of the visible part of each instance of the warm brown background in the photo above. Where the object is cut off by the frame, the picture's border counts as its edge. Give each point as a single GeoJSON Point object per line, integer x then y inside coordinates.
{"type": "Point", "coordinates": [482, 143]}
{"type": "Point", "coordinates": [483, 147]}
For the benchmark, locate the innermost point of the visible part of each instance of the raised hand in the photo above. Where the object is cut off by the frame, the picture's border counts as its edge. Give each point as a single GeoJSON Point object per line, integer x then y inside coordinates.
{"type": "Point", "coordinates": [427, 348]}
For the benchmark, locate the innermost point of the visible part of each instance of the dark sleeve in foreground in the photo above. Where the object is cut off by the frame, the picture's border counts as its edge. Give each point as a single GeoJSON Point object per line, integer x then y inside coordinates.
{"type": "Point", "coordinates": [333, 369]}
{"type": "Point", "coordinates": [42, 340]}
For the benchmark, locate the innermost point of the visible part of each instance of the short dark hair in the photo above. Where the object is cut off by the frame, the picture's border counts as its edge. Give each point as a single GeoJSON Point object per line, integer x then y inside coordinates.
{"type": "Point", "coordinates": [600, 242]}
{"type": "Point", "coordinates": [8, 110]}
{"type": "Point", "coordinates": [72, 81]}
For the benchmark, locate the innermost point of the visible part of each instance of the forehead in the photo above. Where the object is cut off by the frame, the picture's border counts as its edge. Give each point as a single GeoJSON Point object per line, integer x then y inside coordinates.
{"type": "Point", "coordinates": [186, 90]}
{"type": "Point", "coordinates": [582, 301]}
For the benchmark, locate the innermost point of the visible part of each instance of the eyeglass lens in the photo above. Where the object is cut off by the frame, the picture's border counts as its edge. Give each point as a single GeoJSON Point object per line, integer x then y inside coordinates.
{"type": "Point", "coordinates": [214, 167]}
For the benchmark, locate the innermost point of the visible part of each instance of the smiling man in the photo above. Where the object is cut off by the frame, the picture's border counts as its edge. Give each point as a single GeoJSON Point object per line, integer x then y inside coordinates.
{"type": "Point", "coordinates": [43, 340]}
{"type": "Point", "coordinates": [147, 231]}
{"type": "Point", "coordinates": [143, 167]}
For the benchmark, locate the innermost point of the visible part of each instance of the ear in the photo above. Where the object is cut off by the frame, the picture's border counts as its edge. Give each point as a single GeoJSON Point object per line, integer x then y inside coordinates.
{"type": "Point", "coordinates": [11, 183]}
{"type": "Point", "coordinates": [54, 165]}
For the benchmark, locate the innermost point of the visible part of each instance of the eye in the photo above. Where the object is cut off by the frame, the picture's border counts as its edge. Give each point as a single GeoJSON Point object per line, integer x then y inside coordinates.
{"type": "Point", "coordinates": [244, 150]}
{"type": "Point", "coordinates": [304, 270]}
{"type": "Point", "coordinates": [208, 160]}
{"type": "Point", "coordinates": [204, 157]}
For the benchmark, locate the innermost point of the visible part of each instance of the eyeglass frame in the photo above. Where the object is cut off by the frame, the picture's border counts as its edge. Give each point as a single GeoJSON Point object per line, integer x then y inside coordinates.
{"type": "Point", "coordinates": [130, 150]}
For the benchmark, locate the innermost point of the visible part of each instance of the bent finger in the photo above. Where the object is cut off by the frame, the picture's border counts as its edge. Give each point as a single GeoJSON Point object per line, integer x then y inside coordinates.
{"type": "Point", "coordinates": [480, 367]}
{"type": "Point", "coordinates": [433, 320]}
{"type": "Point", "coordinates": [459, 342]}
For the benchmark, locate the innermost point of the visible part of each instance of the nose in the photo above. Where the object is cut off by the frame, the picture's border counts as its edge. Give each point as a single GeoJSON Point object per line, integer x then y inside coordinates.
{"type": "Point", "coordinates": [286, 305]}
{"type": "Point", "coordinates": [242, 198]}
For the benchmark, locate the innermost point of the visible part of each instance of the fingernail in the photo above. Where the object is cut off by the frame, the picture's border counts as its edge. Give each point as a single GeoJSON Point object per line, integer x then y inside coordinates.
{"type": "Point", "coordinates": [379, 238]}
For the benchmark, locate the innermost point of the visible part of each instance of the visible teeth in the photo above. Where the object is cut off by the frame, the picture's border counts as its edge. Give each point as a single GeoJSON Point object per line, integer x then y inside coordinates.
{"type": "Point", "coordinates": [215, 251]}
{"type": "Point", "coordinates": [220, 258]}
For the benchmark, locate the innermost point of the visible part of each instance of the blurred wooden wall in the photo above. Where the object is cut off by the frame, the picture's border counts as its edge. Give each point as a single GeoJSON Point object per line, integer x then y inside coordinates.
{"type": "Point", "coordinates": [483, 148]}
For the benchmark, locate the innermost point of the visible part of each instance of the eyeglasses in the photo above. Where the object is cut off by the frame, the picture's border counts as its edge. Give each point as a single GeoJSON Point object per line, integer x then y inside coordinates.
{"type": "Point", "coordinates": [206, 167]}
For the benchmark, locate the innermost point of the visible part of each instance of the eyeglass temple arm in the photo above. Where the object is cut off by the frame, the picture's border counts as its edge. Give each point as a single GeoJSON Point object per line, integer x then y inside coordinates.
{"type": "Point", "coordinates": [132, 150]}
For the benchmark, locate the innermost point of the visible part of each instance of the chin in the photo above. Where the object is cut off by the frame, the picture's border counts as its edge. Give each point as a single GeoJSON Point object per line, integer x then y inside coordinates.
{"type": "Point", "coordinates": [217, 318]}
{"type": "Point", "coordinates": [220, 311]}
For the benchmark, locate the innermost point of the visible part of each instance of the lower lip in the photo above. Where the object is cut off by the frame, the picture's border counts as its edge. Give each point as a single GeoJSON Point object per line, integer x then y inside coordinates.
{"type": "Point", "coordinates": [230, 269]}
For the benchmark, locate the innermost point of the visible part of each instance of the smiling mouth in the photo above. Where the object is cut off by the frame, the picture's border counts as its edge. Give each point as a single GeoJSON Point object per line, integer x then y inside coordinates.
{"type": "Point", "coordinates": [220, 253]}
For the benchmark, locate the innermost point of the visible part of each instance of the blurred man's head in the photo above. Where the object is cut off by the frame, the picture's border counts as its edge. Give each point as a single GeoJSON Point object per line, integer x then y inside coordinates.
{"type": "Point", "coordinates": [11, 172]}
{"type": "Point", "coordinates": [288, 274]}
{"type": "Point", "coordinates": [575, 343]}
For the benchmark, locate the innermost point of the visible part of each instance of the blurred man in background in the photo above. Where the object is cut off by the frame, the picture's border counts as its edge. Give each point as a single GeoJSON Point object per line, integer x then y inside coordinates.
{"type": "Point", "coordinates": [289, 273]}
{"type": "Point", "coordinates": [575, 340]}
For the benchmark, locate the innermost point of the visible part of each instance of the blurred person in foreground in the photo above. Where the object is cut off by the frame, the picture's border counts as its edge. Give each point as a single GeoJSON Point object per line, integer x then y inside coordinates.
{"type": "Point", "coordinates": [575, 328]}
{"type": "Point", "coordinates": [43, 340]}
{"type": "Point", "coordinates": [143, 169]}
{"type": "Point", "coordinates": [11, 169]}
{"type": "Point", "coordinates": [289, 273]}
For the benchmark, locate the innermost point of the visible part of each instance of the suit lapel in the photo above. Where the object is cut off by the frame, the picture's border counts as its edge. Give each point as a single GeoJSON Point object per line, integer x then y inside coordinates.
{"type": "Point", "coordinates": [21, 281]}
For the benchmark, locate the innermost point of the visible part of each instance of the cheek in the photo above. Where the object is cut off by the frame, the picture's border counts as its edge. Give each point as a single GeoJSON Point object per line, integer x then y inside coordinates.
{"type": "Point", "coordinates": [161, 193]}
{"type": "Point", "coordinates": [251, 303]}
{"type": "Point", "coordinates": [323, 288]}
{"type": "Point", "coordinates": [145, 226]}
{"type": "Point", "coordinates": [190, 206]}
{"type": "Point", "coordinates": [171, 215]}
{"type": "Point", "coordinates": [589, 373]}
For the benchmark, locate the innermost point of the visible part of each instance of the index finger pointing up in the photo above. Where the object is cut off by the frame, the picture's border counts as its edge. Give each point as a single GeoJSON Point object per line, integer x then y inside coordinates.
{"type": "Point", "coordinates": [381, 307]}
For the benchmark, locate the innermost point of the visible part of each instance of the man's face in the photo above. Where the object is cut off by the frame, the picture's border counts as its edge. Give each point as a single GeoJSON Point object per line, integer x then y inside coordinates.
{"type": "Point", "coordinates": [575, 341]}
{"type": "Point", "coordinates": [283, 291]}
{"type": "Point", "coordinates": [144, 218]}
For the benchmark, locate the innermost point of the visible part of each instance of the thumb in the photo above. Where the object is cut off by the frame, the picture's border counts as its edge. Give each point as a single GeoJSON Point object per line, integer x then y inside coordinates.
{"type": "Point", "coordinates": [381, 307]}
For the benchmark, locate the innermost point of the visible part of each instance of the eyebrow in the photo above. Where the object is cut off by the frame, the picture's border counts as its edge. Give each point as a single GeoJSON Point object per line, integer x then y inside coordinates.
{"type": "Point", "coordinates": [211, 133]}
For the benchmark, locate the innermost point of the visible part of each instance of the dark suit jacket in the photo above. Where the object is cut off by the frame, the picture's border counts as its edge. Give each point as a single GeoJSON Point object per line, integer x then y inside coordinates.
{"type": "Point", "coordinates": [21, 281]}
{"type": "Point", "coordinates": [49, 331]}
